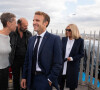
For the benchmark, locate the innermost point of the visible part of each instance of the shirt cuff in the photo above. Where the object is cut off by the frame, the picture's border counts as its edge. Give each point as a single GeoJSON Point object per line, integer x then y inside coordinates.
{"type": "Point", "coordinates": [71, 59]}
{"type": "Point", "coordinates": [49, 80]}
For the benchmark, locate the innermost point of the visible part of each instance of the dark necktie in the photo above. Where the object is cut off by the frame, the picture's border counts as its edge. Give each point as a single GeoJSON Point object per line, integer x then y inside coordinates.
{"type": "Point", "coordinates": [35, 53]}
{"type": "Point", "coordinates": [36, 47]}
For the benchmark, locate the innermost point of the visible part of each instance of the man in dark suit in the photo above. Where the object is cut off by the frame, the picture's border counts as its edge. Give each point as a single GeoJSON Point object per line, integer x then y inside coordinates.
{"type": "Point", "coordinates": [43, 60]}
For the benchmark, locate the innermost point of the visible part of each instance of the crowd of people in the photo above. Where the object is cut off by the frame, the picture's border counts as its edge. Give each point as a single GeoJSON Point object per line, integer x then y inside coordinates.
{"type": "Point", "coordinates": [42, 61]}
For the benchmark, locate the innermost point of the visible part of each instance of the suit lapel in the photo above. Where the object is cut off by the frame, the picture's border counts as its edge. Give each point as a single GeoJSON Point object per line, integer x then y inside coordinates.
{"type": "Point", "coordinates": [65, 43]}
{"type": "Point", "coordinates": [43, 41]}
{"type": "Point", "coordinates": [74, 46]}
{"type": "Point", "coordinates": [32, 44]}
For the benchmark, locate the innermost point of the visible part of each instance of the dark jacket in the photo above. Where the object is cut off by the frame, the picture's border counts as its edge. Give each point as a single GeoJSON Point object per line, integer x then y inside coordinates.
{"type": "Point", "coordinates": [77, 52]}
{"type": "Point", "coordinates": [13, 43]}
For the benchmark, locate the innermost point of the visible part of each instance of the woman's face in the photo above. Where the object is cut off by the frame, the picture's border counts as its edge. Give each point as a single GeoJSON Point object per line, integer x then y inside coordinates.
{"type": "Point", "coordinates": [68, 32]}
{"type": "Point", "coordinates": [12, 25]}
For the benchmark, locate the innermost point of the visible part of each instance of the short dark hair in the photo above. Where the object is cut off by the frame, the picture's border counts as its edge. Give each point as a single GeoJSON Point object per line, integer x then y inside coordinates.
{"type": "Point", "coordinates": [46, 16]}
{"type": "Point", "coordinates": [5, 17]}
{"type": "Point", "coordinates": [19, 21]}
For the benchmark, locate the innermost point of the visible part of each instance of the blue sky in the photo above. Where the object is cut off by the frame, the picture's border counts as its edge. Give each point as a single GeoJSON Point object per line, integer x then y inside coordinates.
{"type": "Point", "coordinates": [84, 13]}
{"type": "Point", "coordinates": [72, 6]}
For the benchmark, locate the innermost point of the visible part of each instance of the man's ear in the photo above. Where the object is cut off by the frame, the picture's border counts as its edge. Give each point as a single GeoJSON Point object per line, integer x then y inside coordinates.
{"type": "Point", "coordinates": [8, 23]}
{"type": "Point", "coordinates": [46, 23]}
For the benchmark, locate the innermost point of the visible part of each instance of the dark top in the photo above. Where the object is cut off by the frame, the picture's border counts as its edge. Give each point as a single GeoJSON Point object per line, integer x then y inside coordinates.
{"type": "Point", "coordinates": [20, 48]}
{"type": "Point", "coordinates": [18, 45]}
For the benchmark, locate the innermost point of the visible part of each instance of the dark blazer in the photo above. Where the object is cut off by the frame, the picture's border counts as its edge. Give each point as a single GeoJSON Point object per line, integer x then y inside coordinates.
{"type": "Point", "coordinates": [49, 58]}
{"type": "Point", "coordinates": [77, 52]}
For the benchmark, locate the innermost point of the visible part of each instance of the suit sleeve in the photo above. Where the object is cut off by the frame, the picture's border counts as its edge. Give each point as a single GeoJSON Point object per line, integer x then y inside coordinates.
{"type": "Point", "coordinates": [81, 51]}
{"type": "Point", "coordinates": [25, 66]}
{"type": "Point", "coordinates": [63, 53]}
{"type": "Point", "coordinates": [57, 60]}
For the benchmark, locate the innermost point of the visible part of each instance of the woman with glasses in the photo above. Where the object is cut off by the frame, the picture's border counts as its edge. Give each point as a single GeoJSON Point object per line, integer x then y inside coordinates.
{"type": "Point", "coordinates": [73, 51]}
{"type": "Point", "coordinates": [8, 21]}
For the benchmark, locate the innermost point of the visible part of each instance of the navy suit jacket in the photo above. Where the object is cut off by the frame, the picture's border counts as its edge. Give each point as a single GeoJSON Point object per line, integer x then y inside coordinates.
{"type": "Point", "coordinates": [77, 52]}
{"type": "Point", "coordinates": [49, 58]}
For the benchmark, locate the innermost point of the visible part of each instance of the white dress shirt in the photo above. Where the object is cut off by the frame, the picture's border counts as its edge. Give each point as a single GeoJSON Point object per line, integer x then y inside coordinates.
{"type": "Point", "coordinates": [69, 46]}
{"type": "Point", "coordinates": [42, 35]}
{"type": "Point", "coordinates": [41, 38]}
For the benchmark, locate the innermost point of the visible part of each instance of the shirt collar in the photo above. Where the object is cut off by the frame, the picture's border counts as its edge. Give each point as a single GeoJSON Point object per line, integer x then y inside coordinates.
{"type": "Point", "coordinates": [42, 35]}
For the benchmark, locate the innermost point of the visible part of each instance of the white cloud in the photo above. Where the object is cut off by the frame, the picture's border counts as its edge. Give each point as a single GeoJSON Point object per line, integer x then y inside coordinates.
{"type": "Point", "coordinates": [85, 16]}
{"type": "Point", "coordinates": [72, 1]}
{"type": "Point", "coordinates": [22, 8]}
{"type": "Point", "coordinates": [97, 2]}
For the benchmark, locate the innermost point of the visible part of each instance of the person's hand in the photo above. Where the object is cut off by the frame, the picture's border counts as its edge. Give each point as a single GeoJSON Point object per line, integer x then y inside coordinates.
{"type": "Point", "coordinates": [23, 83]}
{"type": "Point", "coordinates": [65, 59]}
{"type": "Point", "coordinates": [68, 58]}
{"type": "Point", "coordinates": [50, 83]}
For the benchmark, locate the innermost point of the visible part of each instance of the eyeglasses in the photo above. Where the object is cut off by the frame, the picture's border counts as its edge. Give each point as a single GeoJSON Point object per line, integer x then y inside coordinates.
{"type": "Point", "coordinates": [69, 30]}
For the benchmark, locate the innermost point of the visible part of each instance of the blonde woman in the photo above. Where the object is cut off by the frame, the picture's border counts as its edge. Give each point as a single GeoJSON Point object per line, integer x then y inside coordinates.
{"type": "Point", "coordinates": [8, 21]}
{"type": "Point", "coordinates": [73, 51]}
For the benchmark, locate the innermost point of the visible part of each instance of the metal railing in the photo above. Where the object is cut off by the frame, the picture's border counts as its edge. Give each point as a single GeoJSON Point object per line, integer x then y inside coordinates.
{"type": "Point", "coordinates": [88, 66]}
{"type": "Point", "coordinates": [92, 64]}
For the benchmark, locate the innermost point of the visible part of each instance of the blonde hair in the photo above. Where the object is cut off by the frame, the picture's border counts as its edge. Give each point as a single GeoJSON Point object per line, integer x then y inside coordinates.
{"type": "Point", "coordinates": [75, 31]}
